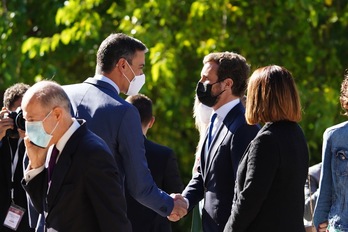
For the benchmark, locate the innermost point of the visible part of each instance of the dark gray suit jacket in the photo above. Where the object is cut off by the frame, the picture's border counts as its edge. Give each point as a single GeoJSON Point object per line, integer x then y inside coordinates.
{"type": "Point", "coordinates": [86, 188]}
{"type": "Point", "coordinates": [117, 122]}
{"type": "Point", "coordinates": [216, 176]}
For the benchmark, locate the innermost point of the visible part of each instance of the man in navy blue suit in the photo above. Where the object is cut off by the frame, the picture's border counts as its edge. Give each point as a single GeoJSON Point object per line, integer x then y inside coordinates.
{"type": "Point", "coordinates": [120, 63]}
{"type": "Point", "coordinates": [164, 169]}
{"type": "Point", "coordinates": [221, 86]}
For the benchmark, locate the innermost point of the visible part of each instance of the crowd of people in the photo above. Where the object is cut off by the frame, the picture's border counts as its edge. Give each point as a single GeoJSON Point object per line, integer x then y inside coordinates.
{"type": "Point", "coordinates": [77, 157]}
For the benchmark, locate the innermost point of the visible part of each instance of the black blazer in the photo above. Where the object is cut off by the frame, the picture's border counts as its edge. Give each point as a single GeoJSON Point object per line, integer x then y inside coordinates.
{"type": "Point", "coordinates": [86, 189]}
{"type": "Point", "coordinates": [20, 198]}
{"type": "Point", "coordinates": [270, 181]}
{"type": "Point", "coordinates": [164, 170]}
{"type": "Point", "coordinates": [216, 176]}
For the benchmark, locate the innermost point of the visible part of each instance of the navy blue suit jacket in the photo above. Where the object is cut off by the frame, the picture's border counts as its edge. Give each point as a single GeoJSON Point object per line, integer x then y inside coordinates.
{"type": "Point", "coordinates": [215, 178]}
{"type": "Point", "coordinates": [117, 122]}
{"type": "Point", "coordinates": [86, 188]}
{"type": "Point", "coordinates": [164, 169]}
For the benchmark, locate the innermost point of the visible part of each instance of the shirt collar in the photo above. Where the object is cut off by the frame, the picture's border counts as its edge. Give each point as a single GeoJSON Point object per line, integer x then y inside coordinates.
{"type": "Point", "coordinates": [224, 109]}
{"type": "Point", "coordinates": [64, 139]}
{"type": "Point", "coordinates": [107, 80]}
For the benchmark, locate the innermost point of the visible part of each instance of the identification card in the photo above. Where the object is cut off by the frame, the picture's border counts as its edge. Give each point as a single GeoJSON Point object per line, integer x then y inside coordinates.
{"type": "Point", "coordinates": [14, 216]}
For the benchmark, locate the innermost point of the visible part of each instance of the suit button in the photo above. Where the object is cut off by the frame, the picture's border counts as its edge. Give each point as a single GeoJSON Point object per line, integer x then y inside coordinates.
{"type": "Point", "coordinates": [163, 209]}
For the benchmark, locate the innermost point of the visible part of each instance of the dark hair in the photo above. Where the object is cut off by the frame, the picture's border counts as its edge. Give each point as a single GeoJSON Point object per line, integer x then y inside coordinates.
{"type": "Point", "coordinates": [13, 93]}
{"type": "Point", "coordinates": [344, 94]}
{"type": "Point", "coordinates": [231, 65]}
{"type": "Point", "coordinates": [144, 106]}
{"type": "Point", "coordinates": [272, 96]}
{"type": "Point", "coordinates": [115, 47]}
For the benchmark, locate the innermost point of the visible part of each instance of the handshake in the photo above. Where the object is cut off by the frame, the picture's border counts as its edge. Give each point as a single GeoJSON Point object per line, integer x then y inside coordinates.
{"type": "Point", "coordinates": [180, 207]}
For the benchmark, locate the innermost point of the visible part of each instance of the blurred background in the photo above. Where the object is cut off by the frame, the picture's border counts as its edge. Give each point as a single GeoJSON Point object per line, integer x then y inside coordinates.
{"type": "Point", "coordinates": [54, 39]}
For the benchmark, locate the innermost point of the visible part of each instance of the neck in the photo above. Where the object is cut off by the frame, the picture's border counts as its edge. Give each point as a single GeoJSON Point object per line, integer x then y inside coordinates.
{"type": "Point", "coordinates": [223, 100]}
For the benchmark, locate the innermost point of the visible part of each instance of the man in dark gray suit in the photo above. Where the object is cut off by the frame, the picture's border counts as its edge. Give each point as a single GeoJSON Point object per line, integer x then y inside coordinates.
{"type": "Point", "coordinates": [72, 177]}
{"type": "Point", "coordinates": [120, 63]}
{"type": "Point", "coordinates": [222, 84]}
{"type": "Point", "coordinates": [164, 169]}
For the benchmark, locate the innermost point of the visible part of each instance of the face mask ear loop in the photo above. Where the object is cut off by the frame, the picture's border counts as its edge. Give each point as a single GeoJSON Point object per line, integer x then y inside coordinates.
{"type": "Point", "coordinates": [126, 77]}
{"type": "Point", "coordinates": [130, 69]}
{"type": "Point", "coordinates": [54, 128]}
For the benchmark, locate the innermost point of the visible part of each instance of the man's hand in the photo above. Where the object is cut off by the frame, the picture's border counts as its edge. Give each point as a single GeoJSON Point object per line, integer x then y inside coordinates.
{"type": "Point", "coordinates": [37, 155]}
{"type": "Point", "coordinates": [323, 227]}
{"type": "Point", "coordinates": [5, 122]}
{"type": "Point", "coordinates": [180, 208]}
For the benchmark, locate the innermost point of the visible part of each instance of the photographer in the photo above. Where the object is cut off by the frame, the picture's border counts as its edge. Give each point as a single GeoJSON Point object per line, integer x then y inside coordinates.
{"type": "Point", "coordinates": [13, 201]}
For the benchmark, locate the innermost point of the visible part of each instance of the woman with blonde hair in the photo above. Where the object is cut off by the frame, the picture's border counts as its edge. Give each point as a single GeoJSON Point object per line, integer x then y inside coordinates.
{"type": "Point", "coordinates": [271, 175]}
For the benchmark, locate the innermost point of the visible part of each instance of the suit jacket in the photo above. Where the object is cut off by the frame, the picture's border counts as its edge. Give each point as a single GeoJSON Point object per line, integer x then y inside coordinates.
{"type": "Point", "coordinates": [117, 122]}
{"type": "Point", "coordinates": [270, 181]}
{"type": "Point", "coordinates": [164, 169]}
{"type": "Point", "coordinates": [215, 178]}
{"type": "Point", "coordinates": [86, 188]}
{"type": "Point", "coordinates": [6, 183]}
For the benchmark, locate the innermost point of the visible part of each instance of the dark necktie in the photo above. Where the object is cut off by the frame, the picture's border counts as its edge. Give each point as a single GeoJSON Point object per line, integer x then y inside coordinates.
{"type": "Point", "coordinates": [211, 129]}
{"type": "Point", "coordinates": [52, 162]}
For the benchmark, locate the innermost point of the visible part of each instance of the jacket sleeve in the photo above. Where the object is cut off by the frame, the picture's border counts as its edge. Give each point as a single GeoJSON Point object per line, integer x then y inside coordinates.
{"type": "Point", "coordinates": [140, 183]}
{"type": "Point", "coordinates": [36, 189]}
{"type": "Point", "coordinates": [324, 202]}
{"type": "Point", "coordinates": [261, 165]}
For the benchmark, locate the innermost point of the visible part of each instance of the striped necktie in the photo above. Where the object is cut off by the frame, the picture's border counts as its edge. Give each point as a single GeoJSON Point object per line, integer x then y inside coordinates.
{"type": "Point", "coordinates": [211, 129]}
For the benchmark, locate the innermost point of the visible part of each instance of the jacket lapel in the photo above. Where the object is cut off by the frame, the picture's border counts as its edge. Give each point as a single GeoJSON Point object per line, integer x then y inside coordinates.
{"type": "Point", "coordinates": [63, 165]}
{"type": "Point", "coordinates": [212, 152]}
{"type": "Point", "coordinates": [221, 135]}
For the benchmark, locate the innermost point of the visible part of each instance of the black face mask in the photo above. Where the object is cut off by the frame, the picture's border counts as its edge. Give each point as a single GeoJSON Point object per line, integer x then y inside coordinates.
{"type": "Point", "coordinates": [203, 92]}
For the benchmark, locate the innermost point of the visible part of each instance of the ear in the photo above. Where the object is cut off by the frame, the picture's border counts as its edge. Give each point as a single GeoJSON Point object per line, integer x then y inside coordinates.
{"type": "Point", "coordinates": [152, 121]}
{"type": "Point", "coordinates": [57, 112]}
{"type": "Point", "coordinates": [229, 83]}
{"type": "Point", "coordinates": [121, 64]}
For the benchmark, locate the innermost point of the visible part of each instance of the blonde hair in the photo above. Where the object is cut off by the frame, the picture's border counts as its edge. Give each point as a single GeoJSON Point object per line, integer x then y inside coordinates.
{"type": "Point", "coordinates": [272, 96]}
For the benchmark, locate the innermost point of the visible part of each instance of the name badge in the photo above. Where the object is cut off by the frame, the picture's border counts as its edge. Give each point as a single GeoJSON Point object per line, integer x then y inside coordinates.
{"type": "Point", "coordinates": [14, 216]}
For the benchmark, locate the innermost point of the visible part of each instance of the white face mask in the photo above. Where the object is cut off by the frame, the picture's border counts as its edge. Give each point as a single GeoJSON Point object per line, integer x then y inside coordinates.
{"type": "Point", "coordinates": [136, 84]}
{"type": "Point", "coordinates": [37, 134]}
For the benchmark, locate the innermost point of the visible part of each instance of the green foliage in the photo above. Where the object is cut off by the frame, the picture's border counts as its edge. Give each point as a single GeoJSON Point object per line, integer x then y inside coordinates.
{"type": "Point", "coordinates": [59, 40]}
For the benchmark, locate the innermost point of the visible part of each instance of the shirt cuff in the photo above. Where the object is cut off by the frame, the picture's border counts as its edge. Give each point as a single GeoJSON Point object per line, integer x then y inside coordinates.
{"type": "Point", "coordinates": [30, 174]}
{"type": "Point", "coordinates": [187, 202]}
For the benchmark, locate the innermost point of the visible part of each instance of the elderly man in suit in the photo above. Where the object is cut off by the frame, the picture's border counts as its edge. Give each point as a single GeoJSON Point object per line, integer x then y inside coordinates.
{"type": "Point", "coordinates": [120, 63]}
{"type": "Point", "coordinates": [164, 169]}
{"type": "Point", "coordinates": [72, 176]}
{"type": "Point", "coordinates": [222, 85]}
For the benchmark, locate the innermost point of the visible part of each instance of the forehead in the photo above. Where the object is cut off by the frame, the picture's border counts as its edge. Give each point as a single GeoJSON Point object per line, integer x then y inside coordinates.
{"type": "Point", "coordinates": [32, 110]}
{"type": "Point", "coordinates": [210, 69]}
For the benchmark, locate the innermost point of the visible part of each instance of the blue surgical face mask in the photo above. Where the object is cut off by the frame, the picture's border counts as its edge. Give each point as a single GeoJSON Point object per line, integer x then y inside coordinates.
{"type": "Point", "coordinates": [37, 134]}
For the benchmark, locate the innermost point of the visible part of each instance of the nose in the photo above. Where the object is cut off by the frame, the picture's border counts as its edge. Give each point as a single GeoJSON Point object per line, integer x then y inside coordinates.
{"type": "Point", "coordinates": [203, 79]}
